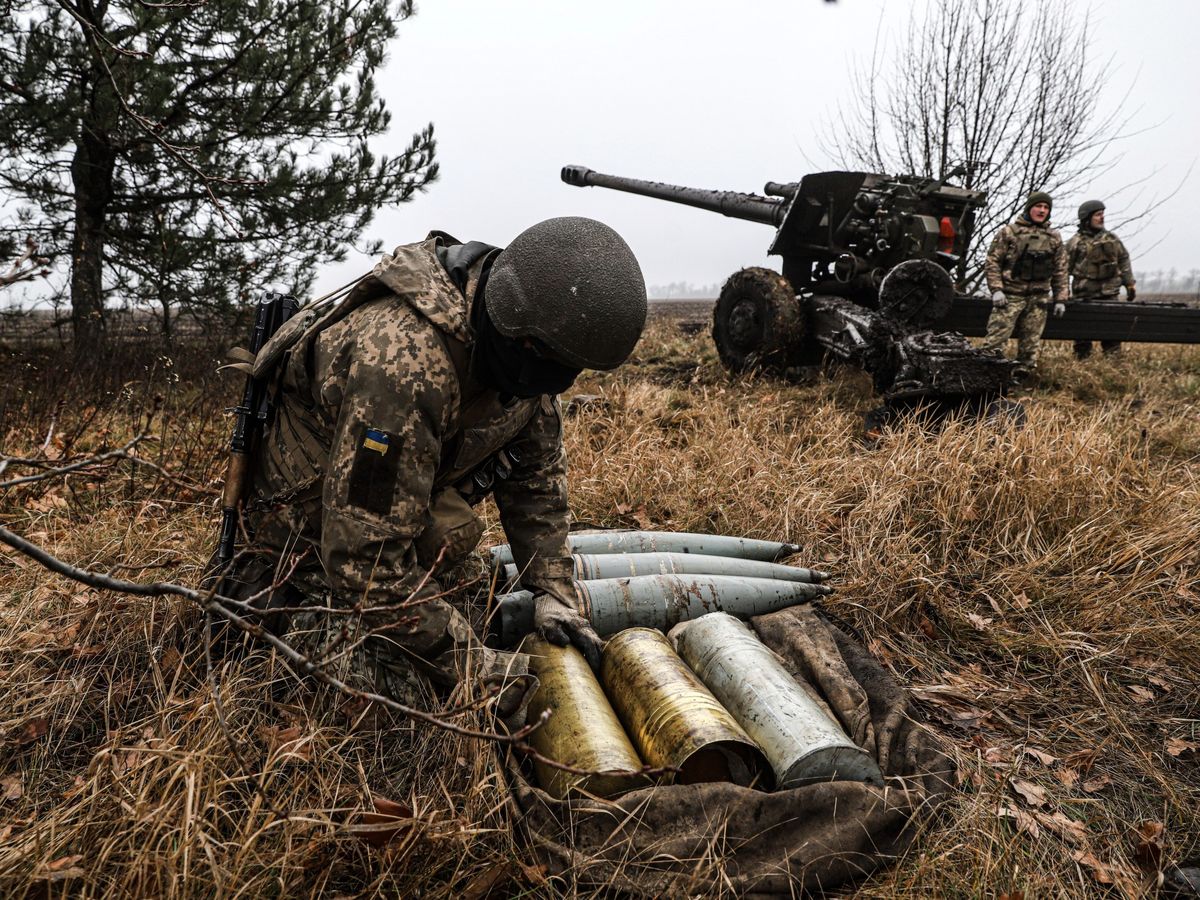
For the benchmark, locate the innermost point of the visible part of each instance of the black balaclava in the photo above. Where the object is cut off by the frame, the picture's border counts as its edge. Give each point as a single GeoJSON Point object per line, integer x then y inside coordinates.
{"type": "Point", "coordinates": [508, 366]}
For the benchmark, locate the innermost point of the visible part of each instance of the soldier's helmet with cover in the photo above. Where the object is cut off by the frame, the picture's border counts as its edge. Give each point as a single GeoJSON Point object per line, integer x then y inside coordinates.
{"type": "Point", "coordinates": [1089, 208]}
{"type": "Point", "coordinates": [573, 287]}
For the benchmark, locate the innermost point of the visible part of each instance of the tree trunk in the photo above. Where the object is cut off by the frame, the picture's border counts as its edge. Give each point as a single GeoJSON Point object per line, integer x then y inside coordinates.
{"type": "Point", "coordinates": [92, 173]}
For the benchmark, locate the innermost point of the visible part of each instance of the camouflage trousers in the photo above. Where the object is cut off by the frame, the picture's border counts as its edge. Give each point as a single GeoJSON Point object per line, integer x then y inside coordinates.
{"type": "Point", "coordinates": [1026, 318]}
{"type": "Point", "coordinates": [400, 650]}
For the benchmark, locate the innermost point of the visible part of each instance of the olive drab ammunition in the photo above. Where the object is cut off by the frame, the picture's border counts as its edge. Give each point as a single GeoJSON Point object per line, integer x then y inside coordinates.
{"type": "Point", "coordinates": [581, 731]}
{"type": "Point", "coordinates": [601, 542]}
{"type": "Point", "coordinates": [595, 566]}
{"type": "Point", "coordinates": [672, 718]}
{"type": "Point", "coordinates": [658, 601]}
{"type": "Point", "coordinates": [802, 742]}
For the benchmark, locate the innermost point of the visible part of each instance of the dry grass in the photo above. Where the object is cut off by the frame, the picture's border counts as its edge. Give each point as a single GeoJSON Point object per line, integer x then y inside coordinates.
{"type": "Point", "coordinates": [1036, 589]}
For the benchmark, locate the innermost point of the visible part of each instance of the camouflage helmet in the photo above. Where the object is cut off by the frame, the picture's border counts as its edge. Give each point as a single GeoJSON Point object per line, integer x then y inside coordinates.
{"type": "Point", "coordinates": [573, 285]}
{"type": "Point", "coordinates": [1038, 197]}
{"type": "Point", "coordinates": [1088, 208]}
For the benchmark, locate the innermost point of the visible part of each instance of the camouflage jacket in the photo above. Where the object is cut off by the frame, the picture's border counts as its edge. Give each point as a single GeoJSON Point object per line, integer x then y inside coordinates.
{"type": "Point", "coordinates": [1027, 259]}
{"type": "Point", "coordinates": [1099, 265]}
{"type": "Point", "coordinates": [377, 419]}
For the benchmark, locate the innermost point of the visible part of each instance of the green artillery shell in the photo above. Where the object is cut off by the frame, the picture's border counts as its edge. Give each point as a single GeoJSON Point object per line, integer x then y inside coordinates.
{"type": "Point", "coordinates": [673, 719]}
{"type": "Point", "coordinates": [596, 566]}
{"type": "Point", "coordinates": [582, 730]}
{"type": "Point", "coordinates": [802, 742]}
{"type": "Point", "coordinates": [665, 542]}
{"type": "Point", "coordinates": [661, 601]}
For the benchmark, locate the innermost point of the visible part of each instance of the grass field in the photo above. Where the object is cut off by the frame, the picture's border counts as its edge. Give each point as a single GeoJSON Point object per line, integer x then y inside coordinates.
{"type": "Point", "coordinates": [1036, 589]}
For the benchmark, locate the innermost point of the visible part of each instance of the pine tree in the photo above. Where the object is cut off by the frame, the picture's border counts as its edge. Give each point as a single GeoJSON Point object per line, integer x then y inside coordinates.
{"type": "Point", "coordinates": [186, 152]}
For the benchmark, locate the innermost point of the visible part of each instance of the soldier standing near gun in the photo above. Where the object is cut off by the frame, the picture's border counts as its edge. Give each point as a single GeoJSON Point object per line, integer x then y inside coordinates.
{"type": "Point", "coordinates": [1099, 266]}
{"type": "Point", "coordinates": [1026, 266]}
{"type": "Point", "coordinates": [432, 385]}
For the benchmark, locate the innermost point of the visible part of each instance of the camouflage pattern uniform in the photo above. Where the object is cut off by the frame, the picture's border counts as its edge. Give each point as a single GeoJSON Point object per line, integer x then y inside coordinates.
{"type": "Point", "coordinates": [378, 425]}
{"type": "Point", "coordinates": [1099, 265]}
{"type": "Point", "coordinates": [1028, 262]}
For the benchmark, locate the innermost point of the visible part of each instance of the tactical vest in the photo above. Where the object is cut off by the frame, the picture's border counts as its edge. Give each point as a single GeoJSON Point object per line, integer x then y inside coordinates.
{"type": "Point", "coordinates": [1035, 257]}
{"type": "Point", "coordinates": [1099, 260]}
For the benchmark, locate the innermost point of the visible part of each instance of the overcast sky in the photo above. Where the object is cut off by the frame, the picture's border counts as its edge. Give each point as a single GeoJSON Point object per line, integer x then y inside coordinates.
{"type": "Point", "coordinates": [708, 94]}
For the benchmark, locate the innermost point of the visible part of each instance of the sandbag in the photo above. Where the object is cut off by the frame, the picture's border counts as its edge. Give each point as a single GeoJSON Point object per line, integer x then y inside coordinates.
{"type": "Point", "coordinates": [692, 839]}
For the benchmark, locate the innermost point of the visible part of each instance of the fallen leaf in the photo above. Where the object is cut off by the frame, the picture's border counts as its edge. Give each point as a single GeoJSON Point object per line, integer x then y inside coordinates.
{"type": "Point", "coordinates": [1148, 846]}
{"type": "Point", "coordinates": [10, 787]}
{"type": "Point", "coordinates": [1021, 601]}
{"type": "Point", "coordinates": [1099, 783]}
{"type": "Point", "coordinates": [1040, 755]}
{"type": "Point", "coordinates": [1064, 826]}
{"type": "Point", "coordinates": [1082, 759]}
{"type": "Point", "coordinates": [1102, 872]}
{"type": "Point", "coordinates": [1012, 895]}
{"type": "Point", "coordinates": [1025, 821]}
{"type": "Point", "coordinates": [1000, 757]}
{"type": "Point", "coordinates": [926, 627]}
{"type": "Point", "coordinates": [61, 869]}
{"type": "Point", "coordinates": [1178, 746]}
{"type": "Point", "coordinates": [1160, 683]}
{"type": "Point", "coordinates": [171, 658]}
{"type": "Point", "coordinates": [482, 884]}
{"type": "Point", "coordinates": [1141, 694]}
{"type": "Point", "coordinates": [978, 622]}
{"type": "Point", "coordinates": [33, 730]}
{"type": "Point", "coordinates": [1069, 777]}
{"type": "Point", "coordinates": [389, 821]}
{"type": "Point", "coordinates": [1029, 792]}
{"type": "Point", "coordinates": [287, 742]}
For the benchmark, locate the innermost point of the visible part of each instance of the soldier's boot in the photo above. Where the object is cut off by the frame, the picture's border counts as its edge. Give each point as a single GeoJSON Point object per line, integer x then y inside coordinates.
{"type": "Point", "coordinates": [1083, 349]}
{"type": "Point", "coordinates": [1111, 349]}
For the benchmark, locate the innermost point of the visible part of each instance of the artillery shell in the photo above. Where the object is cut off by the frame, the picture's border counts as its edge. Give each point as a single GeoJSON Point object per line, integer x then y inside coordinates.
{"type": "Point", "coordinates": [660, 601]}
{"type": "Point", "coordinates": [663, 541]}
{"type": "Point", "coordinates": [582, 730]}
{"type": "Point", "coordinates": [803, 744]}
{"type": "Point", "coordinates": [672, 718]}
{"type": "Point", "coordinates": [594, 566]}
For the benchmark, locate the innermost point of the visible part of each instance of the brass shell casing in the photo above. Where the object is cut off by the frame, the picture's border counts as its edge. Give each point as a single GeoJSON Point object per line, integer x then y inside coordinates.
{"type": "Point", "coordinates": [583, 730]}
{"type": "Point", "coordinates": [673, 719]}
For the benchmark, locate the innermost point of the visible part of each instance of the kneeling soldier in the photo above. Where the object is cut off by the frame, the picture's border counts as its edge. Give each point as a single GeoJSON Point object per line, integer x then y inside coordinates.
{"type": "Point", "coordinates": [432, 385]}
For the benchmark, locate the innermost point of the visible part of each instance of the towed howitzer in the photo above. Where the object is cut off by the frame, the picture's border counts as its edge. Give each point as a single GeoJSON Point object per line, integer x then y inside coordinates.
{"type": "Point", "coordinates": [866, 280]}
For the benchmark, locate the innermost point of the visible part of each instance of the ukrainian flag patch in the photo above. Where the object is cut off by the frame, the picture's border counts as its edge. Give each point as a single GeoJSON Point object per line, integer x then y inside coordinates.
{"type": "Point", "coordinates": [377, 441]}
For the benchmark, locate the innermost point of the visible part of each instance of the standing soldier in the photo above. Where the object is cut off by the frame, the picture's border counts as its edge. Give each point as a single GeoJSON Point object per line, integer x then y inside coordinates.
{"type": "Point", "coordinates": [1025, 265]}
{"type": "Point", "coordinates": [432, 385]}
{"type": "Point", "coordinates": [1099, 266]}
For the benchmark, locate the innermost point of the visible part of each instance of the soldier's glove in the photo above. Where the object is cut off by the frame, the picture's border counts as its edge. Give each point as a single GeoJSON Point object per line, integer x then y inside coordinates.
{"type": "Point", "coordinates": [999, 301]}
{"type": "Point", "coordinates": [556, 615]}
{"type": "Point", "coordinates": [1130, 292]}
{"type": "Point", "coordinates": [1059, 309]}
{"type": "Point", "coordinates": [561, 624]}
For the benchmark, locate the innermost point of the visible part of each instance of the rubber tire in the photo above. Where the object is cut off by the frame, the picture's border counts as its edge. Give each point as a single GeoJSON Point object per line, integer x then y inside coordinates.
{"type": "Point", "coordinates": [758, 322]}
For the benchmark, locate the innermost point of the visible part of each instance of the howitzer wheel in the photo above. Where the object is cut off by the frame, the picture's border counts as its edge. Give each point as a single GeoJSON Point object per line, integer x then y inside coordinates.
{"type": "Point", "coordinates": [758, 322]}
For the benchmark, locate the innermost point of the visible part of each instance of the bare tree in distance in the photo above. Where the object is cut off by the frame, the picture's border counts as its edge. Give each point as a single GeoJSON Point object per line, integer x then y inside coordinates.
{"type": "Point", "coordinates": [1007, 92]}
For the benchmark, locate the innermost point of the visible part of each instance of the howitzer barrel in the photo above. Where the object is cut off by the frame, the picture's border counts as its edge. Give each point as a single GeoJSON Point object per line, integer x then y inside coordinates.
{"type": "Point", "coordinates": [752, 207]}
